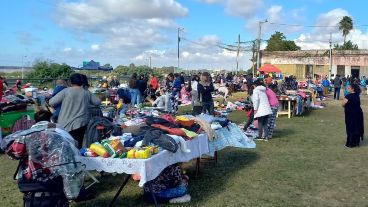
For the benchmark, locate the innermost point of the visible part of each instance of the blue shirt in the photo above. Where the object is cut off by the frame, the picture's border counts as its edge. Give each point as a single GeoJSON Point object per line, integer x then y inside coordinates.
{"type": "Point", "coordinates": [57, 107]}
{"type": "Point", "coordinates": [325, 83]}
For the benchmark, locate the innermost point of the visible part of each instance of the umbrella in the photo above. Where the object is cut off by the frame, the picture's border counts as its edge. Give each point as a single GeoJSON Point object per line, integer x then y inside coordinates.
{"type": "Point", "coordinates": [269, 68]}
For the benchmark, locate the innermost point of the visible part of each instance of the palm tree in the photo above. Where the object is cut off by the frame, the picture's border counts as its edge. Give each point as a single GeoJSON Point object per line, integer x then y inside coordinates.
{"type": "Point", "coordinates": [345, 25]}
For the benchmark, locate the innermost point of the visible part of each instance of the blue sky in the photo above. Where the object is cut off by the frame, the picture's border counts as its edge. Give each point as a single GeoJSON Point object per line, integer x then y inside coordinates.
{"type": "Point", "coordinates": [125, 31]}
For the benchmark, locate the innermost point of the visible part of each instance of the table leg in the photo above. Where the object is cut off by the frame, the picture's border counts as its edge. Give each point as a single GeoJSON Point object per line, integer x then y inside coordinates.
{"type": "Point", "coordinates": [197, 166]}
{"type": "Point", "coordinates": [215, 157]}
{"type": "Point", "coordinates": [289, 109]}
{"type": "Point", "coordinates": [119, 191]}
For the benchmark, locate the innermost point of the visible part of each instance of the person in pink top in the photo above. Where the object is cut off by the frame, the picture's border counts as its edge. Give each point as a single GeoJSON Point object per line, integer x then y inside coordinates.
{"type": "Point", "coordinates": [274, 103]}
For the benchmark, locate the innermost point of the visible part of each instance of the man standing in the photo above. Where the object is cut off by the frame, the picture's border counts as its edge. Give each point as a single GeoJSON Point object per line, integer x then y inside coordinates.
{"type": "Point", "coordinates": [337, 86]}
{"type": "Point", "coordinates": [326, 85]}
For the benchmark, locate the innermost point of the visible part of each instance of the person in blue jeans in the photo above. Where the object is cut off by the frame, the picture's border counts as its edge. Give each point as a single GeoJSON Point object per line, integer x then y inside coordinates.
{"type": "Point", "coordinates": [337, 86]}
{"type": "Point", "coordinates": [135, 94]}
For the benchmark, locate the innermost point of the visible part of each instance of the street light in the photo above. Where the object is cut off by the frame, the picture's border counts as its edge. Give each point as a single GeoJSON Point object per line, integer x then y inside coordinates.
{"type": "Point", "coordinates": [259, 41]}
{"type": "Point", "coordinates": [24, 56]}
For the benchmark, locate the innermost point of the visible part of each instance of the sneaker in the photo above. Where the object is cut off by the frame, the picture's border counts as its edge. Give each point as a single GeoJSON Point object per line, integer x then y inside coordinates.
{"type": "Point", "coordinates": [183, 199]}
{"type": "Point", "coordinates": [258, 138]}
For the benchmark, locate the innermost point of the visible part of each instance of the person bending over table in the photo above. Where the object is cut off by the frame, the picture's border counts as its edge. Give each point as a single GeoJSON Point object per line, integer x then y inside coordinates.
{"type": "Point", "coordinates": [75, 101]}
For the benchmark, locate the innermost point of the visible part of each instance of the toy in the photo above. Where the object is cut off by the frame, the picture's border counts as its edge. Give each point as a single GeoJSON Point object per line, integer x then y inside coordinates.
{"type": "Point", "coordinates": [139, 153]}
{"type": "Point", "coordinates": [99, 150]}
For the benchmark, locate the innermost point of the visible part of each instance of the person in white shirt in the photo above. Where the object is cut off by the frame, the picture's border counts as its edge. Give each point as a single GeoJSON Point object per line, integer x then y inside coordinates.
{"type": "Point", "coordinates": [262, 108]}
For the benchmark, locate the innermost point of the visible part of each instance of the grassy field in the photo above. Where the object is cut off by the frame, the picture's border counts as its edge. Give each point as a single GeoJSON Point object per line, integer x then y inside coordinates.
{"type": "Point", "coordinates": [306, 164]}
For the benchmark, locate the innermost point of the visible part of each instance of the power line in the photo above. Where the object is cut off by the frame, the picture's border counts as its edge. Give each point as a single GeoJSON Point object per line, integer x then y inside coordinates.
{"type": "Point", "coordinates": [317, 26]}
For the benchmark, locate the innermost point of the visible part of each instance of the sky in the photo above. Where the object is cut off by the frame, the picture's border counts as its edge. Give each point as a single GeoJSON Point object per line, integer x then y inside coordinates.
{"type": "Point", "coordinates": [120, 32]}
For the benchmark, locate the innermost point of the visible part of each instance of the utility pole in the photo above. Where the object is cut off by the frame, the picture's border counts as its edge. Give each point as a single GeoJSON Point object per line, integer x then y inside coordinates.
{"type": "Point", "coordinates": [24, 56]}
{"type": "Point", "coordinates": [150, 62]}
{"type": "Point", "coordinates": [179, 29]}
{"type": "Point", "coordinates": [254, 49]}
{"type": "Point", "coordinates": [330, 68]}
{"type": "Point", "coordinates": [237, 55]}
{"type": "Point", "coordinates": [259, 40]}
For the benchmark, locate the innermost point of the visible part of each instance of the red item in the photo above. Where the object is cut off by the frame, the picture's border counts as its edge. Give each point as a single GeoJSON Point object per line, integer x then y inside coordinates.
{"type": "Point", "coordinates": [269, 68]}
{"type": "Point", "coordinates": [154, 83]}
{"type": "Point", "coordinates": [173, 131]}
{"type": "Point", "coordinates": [168, 118]}
{"type": "Point", "coordinates": [249, 113]}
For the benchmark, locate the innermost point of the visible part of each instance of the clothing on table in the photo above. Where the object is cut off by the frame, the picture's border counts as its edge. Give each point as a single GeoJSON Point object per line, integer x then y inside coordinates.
{"type": "Point", "coordinates": [354, 120]}
{"type": "Point", "coordinates": [260, 102]}
{"type": "Point", "coordinates": [272, 122]}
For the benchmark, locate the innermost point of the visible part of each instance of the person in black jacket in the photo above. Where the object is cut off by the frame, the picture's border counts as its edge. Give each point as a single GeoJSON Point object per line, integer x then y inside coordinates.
{"type": "Point", "coordinates": [142, 86]}
{"type": "Point", "coordinates": [205, 89]}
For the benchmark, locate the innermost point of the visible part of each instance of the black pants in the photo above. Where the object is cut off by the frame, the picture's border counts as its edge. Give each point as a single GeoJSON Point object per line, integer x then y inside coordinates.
{"type": "Point", "coordinates": [197, 110]}
{"type": "Point", "coordinates": [337, 93]}
{"type": "Point", "coordinates": [78, 135]}
{"type": "Point", "coordinates": [250, 121]}
{"type": "Point", "coordinates": [262, 126]}
{"type": "Point", "coordinates": [208, 107]}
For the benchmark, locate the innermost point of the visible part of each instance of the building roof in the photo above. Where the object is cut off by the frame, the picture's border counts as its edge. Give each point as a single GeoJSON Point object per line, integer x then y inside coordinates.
{"type": "Point", "coordinates": [314, 53]}
{"type": "Point", "coordinates": [92, 65]}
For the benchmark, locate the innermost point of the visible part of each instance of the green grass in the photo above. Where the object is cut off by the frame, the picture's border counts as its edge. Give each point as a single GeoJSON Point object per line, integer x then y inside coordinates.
{"type": "Point", "coordinates": [306, 164]}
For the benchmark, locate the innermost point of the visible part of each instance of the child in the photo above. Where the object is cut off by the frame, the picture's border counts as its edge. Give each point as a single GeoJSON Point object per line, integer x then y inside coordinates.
{"type": "Point", "coordinates": [161, 100]}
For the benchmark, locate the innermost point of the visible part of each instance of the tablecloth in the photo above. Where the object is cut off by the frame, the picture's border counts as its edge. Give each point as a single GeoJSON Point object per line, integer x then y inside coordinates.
{"type": "Point", "coordinates": [148, 169]}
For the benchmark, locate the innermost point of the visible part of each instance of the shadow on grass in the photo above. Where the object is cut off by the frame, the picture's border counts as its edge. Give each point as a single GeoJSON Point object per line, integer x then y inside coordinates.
{"type": "Point", "coordinates": [213, 177]}
{"type": "Point", "coordinates": [283, 133]}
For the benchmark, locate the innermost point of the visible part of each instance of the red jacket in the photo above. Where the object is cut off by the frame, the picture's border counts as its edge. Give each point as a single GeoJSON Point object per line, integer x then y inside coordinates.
{"type": "Point", "coordinates": [154, 83]}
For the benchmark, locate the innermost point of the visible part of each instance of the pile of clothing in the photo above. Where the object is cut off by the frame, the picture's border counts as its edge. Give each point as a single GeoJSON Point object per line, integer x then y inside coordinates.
{"type": "Point", "coordinates": [14, 103]}
{"type": "Point", "coordinates": [46, 153]}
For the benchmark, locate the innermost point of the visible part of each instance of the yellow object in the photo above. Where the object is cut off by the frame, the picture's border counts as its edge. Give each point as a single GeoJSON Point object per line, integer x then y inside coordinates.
{"type": "Point", "coordinates": [139, 154]}
{"type": "Point", "coordinates": [152, 149]}
{"type": "Point", "coordinates": [117, 146]}
{"type": "Point", "coordinates": [120, 104]}
{"type": "Point", "coordinates": [99, 150]}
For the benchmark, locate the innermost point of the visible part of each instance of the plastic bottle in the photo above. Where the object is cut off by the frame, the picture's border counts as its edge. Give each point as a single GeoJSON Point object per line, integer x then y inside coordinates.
{"type": "Point", "coordinates": [109, 149]}
{"type": "Point", "coordinates": [99, 150]}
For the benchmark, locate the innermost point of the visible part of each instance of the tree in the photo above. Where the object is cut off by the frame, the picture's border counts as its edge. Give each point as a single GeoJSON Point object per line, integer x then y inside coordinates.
{"type": "Point", "coordinates": [349, 45]}
{"type": "Point", "coordinates": [278, 42]}
{"type": "Point", "coordinates": [346, 25]}
{"type": "Point", "coordinates": [49, 70]}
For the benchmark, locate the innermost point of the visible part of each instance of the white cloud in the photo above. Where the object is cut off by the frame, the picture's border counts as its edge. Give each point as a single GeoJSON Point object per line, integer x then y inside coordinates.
{"type": "Point", "coordinates": [319, 37]}
{"type": "Point", "coordinates": [241, 8]}
{"type": "Point", "coordinates": [67, 49]}
{"type": "Point", "coordinates": [274, 13]}
{"type": "Point", "coordinates": [124, 28]}
{"type": "Point", "coordinates": [95, 47]}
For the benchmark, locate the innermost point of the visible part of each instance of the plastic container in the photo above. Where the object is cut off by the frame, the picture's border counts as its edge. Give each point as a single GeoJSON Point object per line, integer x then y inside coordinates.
{"type": "Point", "coordinates": [99, 150]}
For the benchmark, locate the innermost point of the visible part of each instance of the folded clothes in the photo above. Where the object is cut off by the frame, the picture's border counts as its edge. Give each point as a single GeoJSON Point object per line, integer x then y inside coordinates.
{"type": "Point", "coordinates": [183, 144]}
{"type": "Point", "coordinates": [215, 126]}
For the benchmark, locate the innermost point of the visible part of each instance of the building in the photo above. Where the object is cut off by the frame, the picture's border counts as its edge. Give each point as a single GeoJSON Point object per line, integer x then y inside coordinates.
{"type": "Point", "coordinates": [94, 66]}
{"type": "Point", "coordinates": [310, 62]}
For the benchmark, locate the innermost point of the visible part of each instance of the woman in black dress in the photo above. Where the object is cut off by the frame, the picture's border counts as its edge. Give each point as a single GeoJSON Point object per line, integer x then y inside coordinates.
{"type": "Point", "coordinates": [353, 117]}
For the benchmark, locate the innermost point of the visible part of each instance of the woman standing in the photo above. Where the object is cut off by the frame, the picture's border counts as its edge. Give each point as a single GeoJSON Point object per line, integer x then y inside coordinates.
{"type": "Point", "coordinates": [196, 104]}
{"type": "Point", "coordinates": [135, 94]}
{"type": "Point", "coordinates": [205, 89]}
{"type": "Point", "coordinates": [172, 95]}
{"type": "Point", "coordinates": [274, 103]}
{"type": "Point", "coordinates": [354, 120]}
{"type": "Point", "coordinates": [75, 101]}
{"type": "Point", "coordinates": [262, 108]}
